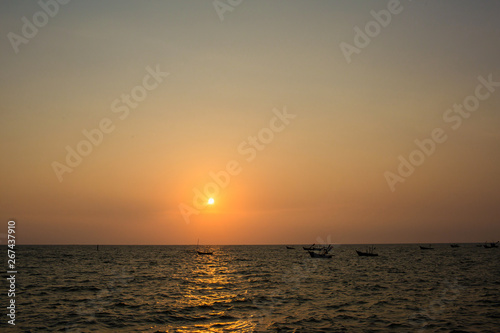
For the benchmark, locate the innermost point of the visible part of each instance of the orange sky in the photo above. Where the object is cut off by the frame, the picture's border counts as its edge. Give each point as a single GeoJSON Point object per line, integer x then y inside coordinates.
{"type": "Point", "coordinates": [178, 93]}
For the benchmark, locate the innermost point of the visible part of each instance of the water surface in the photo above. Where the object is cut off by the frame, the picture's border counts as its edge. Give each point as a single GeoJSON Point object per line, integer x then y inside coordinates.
{"type": "Point", "coordinates": [257, 289]}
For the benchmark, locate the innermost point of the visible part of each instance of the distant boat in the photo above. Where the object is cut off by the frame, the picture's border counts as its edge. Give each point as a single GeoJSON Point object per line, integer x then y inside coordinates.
{"type": "Point", "coordinates": [454, 245]}
{"type": "Point", "coordinates": [320, 255]}
{"type": "Point", "coordinates": [490, 245]}
{"type": "Point", "coordinates": [203, 252]}
{"type": "Point", "coordinates": [312, 248]}
{"type": "Point", "coordinates": [323, 253]}
{"type": "Point", "coordinates": [369, 252]}
{"type": "Point", "coordinates": [426, 247]}
{"type": "Point", "coordinates": [290, 247]}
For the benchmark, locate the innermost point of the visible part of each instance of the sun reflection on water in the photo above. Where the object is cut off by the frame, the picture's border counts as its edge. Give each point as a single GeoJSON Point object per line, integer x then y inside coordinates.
{"type": "Point", "coordinates": [209, 287]}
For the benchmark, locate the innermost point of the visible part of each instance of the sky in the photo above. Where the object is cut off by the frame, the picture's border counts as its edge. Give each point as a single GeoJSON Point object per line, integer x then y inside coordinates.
{"type": "Point", "coordinates": [305, 121]}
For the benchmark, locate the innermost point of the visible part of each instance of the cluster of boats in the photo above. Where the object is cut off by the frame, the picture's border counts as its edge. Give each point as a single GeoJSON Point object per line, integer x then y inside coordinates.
{"type": "Point", "coordinates": [317, 251]}
{"type": "Point", "coordinates": [324, 251]}
{"type": "Point", "coordinates": [490, 245]}
{"type": "Point", "coordinates": [454, 245]}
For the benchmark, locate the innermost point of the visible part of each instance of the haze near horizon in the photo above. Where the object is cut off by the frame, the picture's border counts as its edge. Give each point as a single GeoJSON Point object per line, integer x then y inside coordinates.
{"type": "Point", "coordinates": [347, 122]}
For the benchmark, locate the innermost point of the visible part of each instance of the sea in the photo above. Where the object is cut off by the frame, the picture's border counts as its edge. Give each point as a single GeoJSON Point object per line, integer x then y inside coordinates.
{"type": "Point", "coordinates": [255, 289]}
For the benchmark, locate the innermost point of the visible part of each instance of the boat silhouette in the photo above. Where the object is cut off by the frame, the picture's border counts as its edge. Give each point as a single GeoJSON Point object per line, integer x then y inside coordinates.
{"type": "Point", "coordinates": [203, 252]}
{"type": "Point", "coordinates": [368, 253]}
{"type": "Point", "coordinates": [323, 252]}
{"type": "Point", "coordinates": [313, 248]}
{"type": "Point", "coordinates": [490, 245]}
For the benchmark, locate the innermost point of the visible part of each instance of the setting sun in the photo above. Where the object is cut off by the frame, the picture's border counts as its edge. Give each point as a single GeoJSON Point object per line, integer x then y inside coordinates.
{"type": "Point", "coordinates": [211, 201]}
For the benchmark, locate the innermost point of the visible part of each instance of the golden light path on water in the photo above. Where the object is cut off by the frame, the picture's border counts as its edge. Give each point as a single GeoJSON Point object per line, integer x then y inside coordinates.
{"type": "Point", "coordinates": [207, 284]}
{"type": "Point", "coordinates": [259, 289]}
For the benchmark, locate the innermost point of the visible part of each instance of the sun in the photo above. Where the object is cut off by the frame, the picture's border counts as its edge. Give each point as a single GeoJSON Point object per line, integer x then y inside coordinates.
{"type": "Point", "coordinates": [211, 201]}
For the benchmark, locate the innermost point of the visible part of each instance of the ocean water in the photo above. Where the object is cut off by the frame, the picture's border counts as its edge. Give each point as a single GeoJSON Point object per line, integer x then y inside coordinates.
{"type": "Point", "coordinates": [255, 289]}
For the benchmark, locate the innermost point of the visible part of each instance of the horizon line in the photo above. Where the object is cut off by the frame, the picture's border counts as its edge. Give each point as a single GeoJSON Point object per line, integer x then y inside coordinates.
{"type": "Point", "coordinates": [283, 244]}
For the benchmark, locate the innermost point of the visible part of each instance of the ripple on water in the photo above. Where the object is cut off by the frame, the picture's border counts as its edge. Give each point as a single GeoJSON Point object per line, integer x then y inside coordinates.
{"type": "Point", "coordinates": [257, 288]}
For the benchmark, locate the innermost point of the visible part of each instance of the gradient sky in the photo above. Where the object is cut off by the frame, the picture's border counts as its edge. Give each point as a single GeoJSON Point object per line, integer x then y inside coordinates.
{"type": "Point", "coordinates": [320, 178]}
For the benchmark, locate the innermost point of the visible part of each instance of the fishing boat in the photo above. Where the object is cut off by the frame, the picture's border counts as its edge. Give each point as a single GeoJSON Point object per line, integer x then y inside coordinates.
{"type": "Point", "coordinates": [454, 245]}
{"type": "Point", "coordinates": [209, 253]}
{"type": "Point", "coordinates": [323, 253]}
{"type": "Point", "coordinates": [312, 248]}
{"type": "Point", "coordinates": [426, 247]}
{"type": "Point", "coordinates": [490, 245]}
{"type": "Point", "coordinates": [368, 253]}
{"type": "Point", "coordinates": [290, 247]}
{"type": "Point", "coordinates": [320, 255]}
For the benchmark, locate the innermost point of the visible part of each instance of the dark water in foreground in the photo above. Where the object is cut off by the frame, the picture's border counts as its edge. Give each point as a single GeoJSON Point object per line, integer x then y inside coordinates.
{"type": "Point", "coordinates": [255, 289]}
